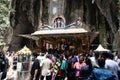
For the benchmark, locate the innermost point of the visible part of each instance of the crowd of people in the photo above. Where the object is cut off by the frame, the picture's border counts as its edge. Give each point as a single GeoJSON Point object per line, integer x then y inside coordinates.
{"type": "Point", "coordinates": [62, 65]}
{"type": "Point", "coordinates": [76, 66]}
{"type": "Point", "coordinates": [6, 66]}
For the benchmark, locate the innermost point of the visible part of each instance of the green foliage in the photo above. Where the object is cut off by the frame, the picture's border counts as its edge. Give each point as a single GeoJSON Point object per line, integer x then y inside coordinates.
{"type": "Point", "coordinates": [5, 9]}
{"type": "Point", "coordinates": [2, 43]}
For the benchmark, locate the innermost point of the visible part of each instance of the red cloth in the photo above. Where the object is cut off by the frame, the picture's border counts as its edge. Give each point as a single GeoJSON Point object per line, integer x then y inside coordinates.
{"type": "Point", "coordinates": [62, 73]}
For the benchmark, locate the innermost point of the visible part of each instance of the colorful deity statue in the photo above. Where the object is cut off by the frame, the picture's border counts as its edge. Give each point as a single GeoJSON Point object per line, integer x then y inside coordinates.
{"type": "Point", "coordinates": [59, 23]}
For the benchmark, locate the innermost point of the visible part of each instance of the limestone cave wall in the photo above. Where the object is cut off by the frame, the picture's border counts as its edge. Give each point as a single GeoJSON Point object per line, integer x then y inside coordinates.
{"type": "Point", "coordinates": [98, 15]}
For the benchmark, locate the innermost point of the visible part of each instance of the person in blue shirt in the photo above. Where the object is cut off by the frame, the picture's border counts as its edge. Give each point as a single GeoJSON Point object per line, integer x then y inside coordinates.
{"type": "Point", "coordinates": [102, 73]}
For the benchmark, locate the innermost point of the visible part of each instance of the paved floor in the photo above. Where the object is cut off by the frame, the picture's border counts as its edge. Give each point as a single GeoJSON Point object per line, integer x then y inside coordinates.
{"type": "Point", "coordinates": [20, 76]}
{"type": "Point", "coordinates": [23, 76]}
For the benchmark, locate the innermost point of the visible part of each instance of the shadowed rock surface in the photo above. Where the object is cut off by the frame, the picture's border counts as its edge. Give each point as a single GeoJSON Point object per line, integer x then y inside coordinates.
{"type": "Point", "coordinates": [98, 15]}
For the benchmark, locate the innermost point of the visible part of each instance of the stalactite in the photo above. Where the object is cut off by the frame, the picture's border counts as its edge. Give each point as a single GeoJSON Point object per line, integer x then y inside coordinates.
{"type": "Point", "coordinates": [45, 13]}
{"type": "Point", "coordinates": [102, 34]}
{"type": "Point", "coordinates": [68, 11]}
{"type": "Point", "coordinates": [104, 8]}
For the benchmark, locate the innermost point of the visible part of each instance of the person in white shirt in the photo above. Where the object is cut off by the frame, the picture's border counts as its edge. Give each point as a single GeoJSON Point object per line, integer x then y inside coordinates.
{"type": "Point", "coordinates": [94, 59]}
{"type": "Point", "coordinates": [46, 68]}
{"type": "Point", "coordinates": [110, 63]}
{"type": "Point", "coordinates": [41, 57]}
{"type": "Point", "coordinates": [10, 72]}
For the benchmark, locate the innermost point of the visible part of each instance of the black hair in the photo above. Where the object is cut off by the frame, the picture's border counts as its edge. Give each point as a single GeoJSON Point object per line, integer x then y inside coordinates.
{"type": "Point", "coordinates": [2, 55]}
{"type": "Point", "coordinates": [35, 54]}
{"type": "Point", "coordinates": [108, 55]}
{"type": "Point", "coordinates": [97, 54]}
{"type": "Point", "coordinates": [101, 62]}
{"type": "Point", "coordinates": [89, 63]}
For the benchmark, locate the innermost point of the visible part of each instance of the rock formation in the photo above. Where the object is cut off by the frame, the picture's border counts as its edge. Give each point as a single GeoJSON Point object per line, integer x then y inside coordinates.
{"type": "Point", "coordinates": [98, 15]}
